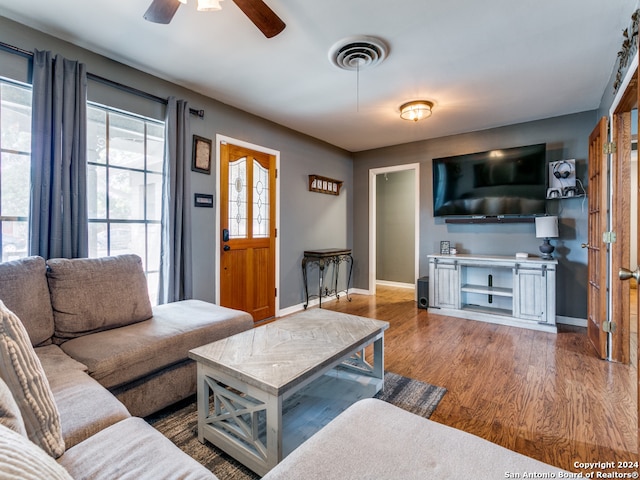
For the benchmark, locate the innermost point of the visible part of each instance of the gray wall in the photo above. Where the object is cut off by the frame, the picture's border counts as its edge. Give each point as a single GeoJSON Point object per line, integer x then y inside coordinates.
{"type": "Point", "coordinates": [307, 220]}
{"type": "Point", "coordinates": [566, 137]}
{"type": "Point", "coordinates": [395, 219]}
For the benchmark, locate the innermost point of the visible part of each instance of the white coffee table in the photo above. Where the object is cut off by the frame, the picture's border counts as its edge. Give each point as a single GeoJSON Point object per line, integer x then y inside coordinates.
{"type": "Point", "coordinates": [262, 392]}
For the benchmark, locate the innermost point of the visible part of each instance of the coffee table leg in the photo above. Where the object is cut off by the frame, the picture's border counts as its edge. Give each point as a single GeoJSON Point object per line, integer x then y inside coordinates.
{"type": "Point", "coordinates": [274, 431]}
{"type": "Point", "coordinates": [378, 359]}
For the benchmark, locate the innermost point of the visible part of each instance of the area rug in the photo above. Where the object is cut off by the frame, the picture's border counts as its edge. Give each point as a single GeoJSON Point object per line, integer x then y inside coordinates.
{"type": "Point", "coordinates": [179, 423]}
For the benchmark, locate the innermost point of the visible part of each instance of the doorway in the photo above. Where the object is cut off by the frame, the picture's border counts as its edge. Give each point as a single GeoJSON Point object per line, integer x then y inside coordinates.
{"type": "Point", "coordinates": [394, 225]}
{"type": "Point", "coordinates": [247, 222]}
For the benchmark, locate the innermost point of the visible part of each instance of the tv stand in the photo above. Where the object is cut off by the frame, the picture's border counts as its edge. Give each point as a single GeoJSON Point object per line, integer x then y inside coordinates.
{"type": "Point", "coordinates": [520, 292]}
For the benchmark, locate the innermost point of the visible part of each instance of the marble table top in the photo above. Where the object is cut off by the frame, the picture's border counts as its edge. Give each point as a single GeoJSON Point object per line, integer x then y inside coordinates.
{"type": "Point", "coordinates": [279, 355]}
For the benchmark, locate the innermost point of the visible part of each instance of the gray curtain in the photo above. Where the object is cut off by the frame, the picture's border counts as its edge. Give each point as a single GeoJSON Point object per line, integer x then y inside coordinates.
{"type": "Point", "coordinates": [58, 222]}
{"type": "Point", "coordinates": [176, 281]}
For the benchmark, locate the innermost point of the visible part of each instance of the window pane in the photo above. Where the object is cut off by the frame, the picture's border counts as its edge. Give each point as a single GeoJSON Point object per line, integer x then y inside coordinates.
{"type": "Point", "coordinates": [97, 191]}
{"type": "Point", "coordinates": [97, 244]}
{"type": "Point", "coordinates": [15, 117]}
{"type": "Point", "coordinates": [96, 135]}
{"type": "Point", "coordinates": [238, 198]}
{"type": "Point", "coordinates": [154, 196]}
{"type": "Point", "coordinates": [153, 249]}
{"type": "Point", "coordinates": [14, 240]}
{"type": "Point", "coordinates": [126, 194]}
{"type": "Point", "coordinates": [260, 200]}
{"type": "Point", "coordinates": [155, 147]}
{"type": "Point", "coordinates": [14, 185]}
{"type": "Point", "coordinates": [126, 141]}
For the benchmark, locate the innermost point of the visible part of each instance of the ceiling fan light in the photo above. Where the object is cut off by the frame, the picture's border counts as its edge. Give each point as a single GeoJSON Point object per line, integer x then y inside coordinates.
{"type": "Point", "coordinates": [208, 5]}
{"type": "Point", "coordinates": [416, 110]}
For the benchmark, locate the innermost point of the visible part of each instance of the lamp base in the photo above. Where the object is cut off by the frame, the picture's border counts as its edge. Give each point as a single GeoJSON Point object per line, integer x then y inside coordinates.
{"type": "Point", "coordinates": [546, 249]}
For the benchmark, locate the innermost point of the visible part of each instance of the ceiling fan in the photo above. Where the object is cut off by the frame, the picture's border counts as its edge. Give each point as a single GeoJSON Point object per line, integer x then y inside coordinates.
{"type": "Point", "coordinates": [162, 11]}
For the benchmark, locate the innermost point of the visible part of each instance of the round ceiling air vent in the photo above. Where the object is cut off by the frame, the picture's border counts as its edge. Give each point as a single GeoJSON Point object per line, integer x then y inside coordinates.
{"type": "Point", "coordinates": [357, 53]}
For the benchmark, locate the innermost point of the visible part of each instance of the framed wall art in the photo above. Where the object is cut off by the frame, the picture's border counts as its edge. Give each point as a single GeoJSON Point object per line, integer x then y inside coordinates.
{"type": "Point", "coordinates": [201, 155]}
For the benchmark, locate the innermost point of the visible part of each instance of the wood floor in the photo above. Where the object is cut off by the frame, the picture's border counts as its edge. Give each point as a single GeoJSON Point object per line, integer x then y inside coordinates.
{"type": "Point", "coordinates": [544, 395]}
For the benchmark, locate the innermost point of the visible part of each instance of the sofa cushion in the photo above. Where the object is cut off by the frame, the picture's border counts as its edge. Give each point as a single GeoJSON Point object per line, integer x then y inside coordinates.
{"type": "Point", "coordinates": [23, 373]}
{"type": "Point", "coordinates": [21, 459]}
{"type": "Point", "coordinates": [374, 439]}
{"type": "Point", "coordinates": [85, 406]}
{"type": "Point", "coordinates": [122, 355]}
{"type": "Point", "coordinates": [24, 290]}
{"type": "Point", "coordinates": [94, 294]}
{"type": "Point", "coordinates": [131, 450]}
{"type": "Point", "coordinates": [10, 415]}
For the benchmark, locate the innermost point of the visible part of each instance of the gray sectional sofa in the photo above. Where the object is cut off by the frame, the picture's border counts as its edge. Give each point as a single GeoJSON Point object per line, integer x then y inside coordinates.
{"type": "Point", "coordinates": [94, 356]}
{"type": "Point", "coordinates": [373, 439]}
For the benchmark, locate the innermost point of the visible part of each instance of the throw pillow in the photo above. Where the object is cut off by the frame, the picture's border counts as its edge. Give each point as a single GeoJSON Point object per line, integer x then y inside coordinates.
{"type": "Point", "coordinates": [22, 371]}
{"type": "Point", "coordinates": [24, 290]}
{"type": "Point", "coordinates": [22, 459]}
{"type": "Point", "coordinates": [93, 294]}
{"type": "Point", "coordinates": [10, 415]}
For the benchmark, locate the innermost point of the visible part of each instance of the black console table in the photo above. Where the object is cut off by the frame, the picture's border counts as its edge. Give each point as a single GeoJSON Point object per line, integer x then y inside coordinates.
{"type": "Point", "coordinates": [322, 258]}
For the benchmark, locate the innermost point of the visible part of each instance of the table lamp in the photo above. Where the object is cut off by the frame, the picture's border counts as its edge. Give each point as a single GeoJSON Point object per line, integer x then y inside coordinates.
{"type": "Point", "coordinates": [546, 227]}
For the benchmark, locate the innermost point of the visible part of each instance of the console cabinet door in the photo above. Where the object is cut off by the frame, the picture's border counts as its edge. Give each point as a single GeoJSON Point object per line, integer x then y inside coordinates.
{"type": "Point", "coordinates": [445, 286]}
{"type": "Point", "coordinates": [530, 294]}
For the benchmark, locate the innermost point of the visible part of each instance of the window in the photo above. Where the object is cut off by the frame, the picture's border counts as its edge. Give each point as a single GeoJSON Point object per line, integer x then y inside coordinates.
{"type": "Point", "coordinates": [15, 168]}
{"type": "Point", "coordinates": [125, 158]}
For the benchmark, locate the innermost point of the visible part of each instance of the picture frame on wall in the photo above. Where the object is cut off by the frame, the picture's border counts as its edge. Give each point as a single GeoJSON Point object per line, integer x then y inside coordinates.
{"type": "Point", "coordinates": [445, 247]}
{"type": "Point", "coordinates": [201, 155]}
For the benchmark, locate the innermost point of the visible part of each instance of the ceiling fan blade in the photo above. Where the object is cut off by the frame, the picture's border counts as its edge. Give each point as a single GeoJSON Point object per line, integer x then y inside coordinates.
{"type": "Point", "coordinates": [262, 16]}
{"type": "Point", "coordinates": [161, 11]}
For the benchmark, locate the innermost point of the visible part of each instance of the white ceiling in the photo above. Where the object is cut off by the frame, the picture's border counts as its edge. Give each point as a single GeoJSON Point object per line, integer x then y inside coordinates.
{"type": "Point", "coordinates": [483, 63]}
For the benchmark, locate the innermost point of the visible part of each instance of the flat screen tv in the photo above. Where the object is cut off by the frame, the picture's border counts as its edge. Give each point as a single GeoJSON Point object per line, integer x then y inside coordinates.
{"type": "Point", "coordinates": [510, 181]}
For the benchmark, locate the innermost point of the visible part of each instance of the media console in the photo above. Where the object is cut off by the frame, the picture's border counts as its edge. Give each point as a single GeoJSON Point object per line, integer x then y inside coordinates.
{"type": "Point", "coordinates": [519, 292]}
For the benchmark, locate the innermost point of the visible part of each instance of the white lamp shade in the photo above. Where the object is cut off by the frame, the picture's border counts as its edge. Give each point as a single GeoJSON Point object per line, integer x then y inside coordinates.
{"type": "Point", "coordinates": [546, 227]}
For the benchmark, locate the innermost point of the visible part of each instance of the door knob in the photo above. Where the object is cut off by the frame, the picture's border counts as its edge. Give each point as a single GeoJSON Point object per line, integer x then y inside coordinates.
{"type": "Point", "coordinates": [625, 274]}
{"type": "Point", "coordinates": [226, 248]}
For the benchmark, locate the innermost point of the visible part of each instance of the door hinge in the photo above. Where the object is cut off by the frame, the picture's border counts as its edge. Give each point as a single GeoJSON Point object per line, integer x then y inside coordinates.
{"type": "Point", "coordinates": [609, 237]}
{"type": "Point", "coordinates": [609, 327]}
{"type": "Point", "coordinates": [276, 233]}
{"type": "Point", "coordinates": [276, 291]}
{"type": "Point", "coordinates": [609, 148]}
{"type": "Point", "coordinates": [276, 173]}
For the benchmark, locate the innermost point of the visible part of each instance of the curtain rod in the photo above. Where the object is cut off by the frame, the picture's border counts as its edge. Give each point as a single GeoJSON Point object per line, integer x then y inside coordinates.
{"type": "Point", "coordinates": [105, 81]}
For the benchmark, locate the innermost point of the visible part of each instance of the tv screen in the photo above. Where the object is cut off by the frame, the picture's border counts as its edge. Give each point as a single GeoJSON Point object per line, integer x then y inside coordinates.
{"type": "Point", "coordinates": [510, 181]}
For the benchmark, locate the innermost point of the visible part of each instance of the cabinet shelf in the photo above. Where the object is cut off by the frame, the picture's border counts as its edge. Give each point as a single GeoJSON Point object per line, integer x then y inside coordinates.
{"type": "Point", "coordinates": [486, 290]}
{"type": "Point", "coordinates": [490, 310]}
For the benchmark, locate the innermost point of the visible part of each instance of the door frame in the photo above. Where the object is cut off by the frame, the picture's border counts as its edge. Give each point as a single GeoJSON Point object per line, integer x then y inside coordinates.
{"type": "Point", "coordinates": [373, 173]}
{"type": "Point", "coordinates": [220, 139]}
{"type": "Point", "coordinates": [619, 214]}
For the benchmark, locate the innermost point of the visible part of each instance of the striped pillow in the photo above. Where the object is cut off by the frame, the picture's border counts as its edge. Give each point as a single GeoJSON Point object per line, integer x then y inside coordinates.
{"type": "Point", "coordinates": [20, 458]}
{"type": "Point", "coordinates": [21, 370]}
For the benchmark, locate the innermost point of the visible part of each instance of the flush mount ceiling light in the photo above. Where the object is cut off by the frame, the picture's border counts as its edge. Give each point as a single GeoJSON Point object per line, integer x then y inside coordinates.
{"type": "Point", "coordinates": [416, 110]}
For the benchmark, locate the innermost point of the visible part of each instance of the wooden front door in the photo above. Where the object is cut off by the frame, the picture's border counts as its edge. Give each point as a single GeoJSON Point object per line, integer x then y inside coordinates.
{"type": "Point", "coordinates": [248, 230]}
{"type": "Point", "coordinates": [597, 252]}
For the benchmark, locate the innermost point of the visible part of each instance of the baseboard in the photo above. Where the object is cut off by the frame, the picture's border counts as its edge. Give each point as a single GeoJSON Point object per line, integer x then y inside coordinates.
{"type": "Point", "coordinates": [576, 322]}
{"type": "Point", "coordinates": [316, 301]}
{"type": "Point", "coordinates": [387, 283]}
